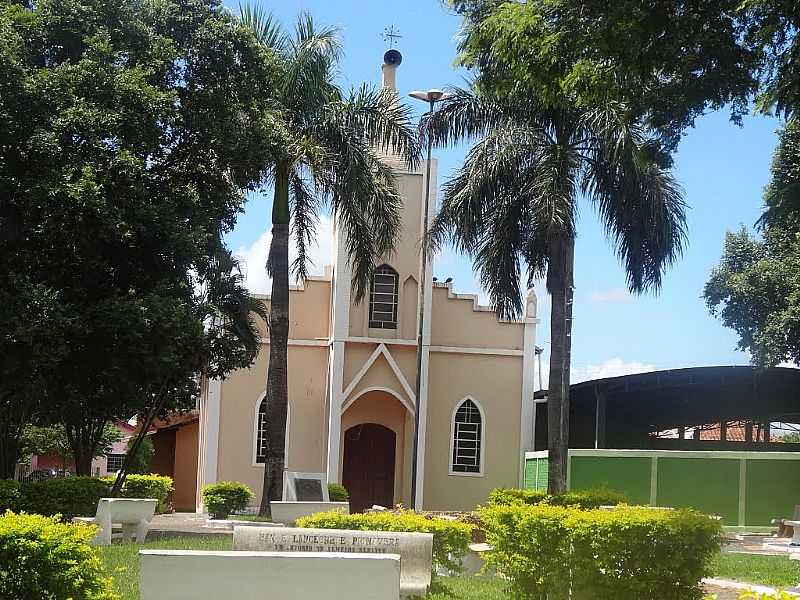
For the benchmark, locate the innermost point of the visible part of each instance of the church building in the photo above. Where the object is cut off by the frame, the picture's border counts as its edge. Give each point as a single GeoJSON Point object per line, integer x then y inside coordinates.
{"type": "Point", "coordinates": [352, 375]}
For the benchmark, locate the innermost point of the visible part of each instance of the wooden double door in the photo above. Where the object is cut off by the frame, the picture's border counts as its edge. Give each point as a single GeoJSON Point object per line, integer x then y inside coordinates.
{"type": "Point", "coordinates": [368, 470]}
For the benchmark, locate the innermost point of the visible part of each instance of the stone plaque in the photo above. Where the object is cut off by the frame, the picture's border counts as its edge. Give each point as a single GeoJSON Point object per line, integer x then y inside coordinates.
{"type": "Point", "coordinates": [305, 487]}
{"type": "Point", "coordinates": [308, 490]}
{"type": "Point", "coordinates": [415, 549]}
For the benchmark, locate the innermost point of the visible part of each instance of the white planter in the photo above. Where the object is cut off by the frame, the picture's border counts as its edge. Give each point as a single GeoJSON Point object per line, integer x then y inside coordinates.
{"type": "Point", "coordinates": [289, 511]}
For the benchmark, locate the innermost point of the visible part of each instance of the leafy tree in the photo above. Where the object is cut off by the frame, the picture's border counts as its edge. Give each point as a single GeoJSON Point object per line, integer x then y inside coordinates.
{"type": "Point", "coordinates": [755, 290]}
{"type": "Point", "coordinates": [129, 134]}
{"type": "Point", "coordinates": [544, 140]}
{"type": "Point", "coordinates": [139, 461]}
{"type": "Point", "coordinates": [668, 60]}
{"type": "Point", "coordinates": [53, 440]}
{"type": "Point", "coordinates": [792, 437]}
{"type": "Point", "coordinates": [330, 154]}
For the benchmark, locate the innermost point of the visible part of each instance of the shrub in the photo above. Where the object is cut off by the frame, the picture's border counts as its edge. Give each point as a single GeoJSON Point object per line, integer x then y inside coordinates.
{"type": "Point", "coordinates": [9, 495]}
{"type": "Point", "coordinates": [451, 539]}
{"type": "Point", "coordinates": [140, 462]}
{"type": "Point", "coordinates": [587, 499]}
{"type": "Point", "coordinates": [225, 497]}
{"type": "Point", "coordinates": [41, 558]}
{"type": "Point", "coordinates": [337, 493]}
{"type": "Point", "coordinates": [149, 486]}
{"type": "Point", "coordinates": [67, 496]}
{"type": "Point", "coordinates": [628, 552]}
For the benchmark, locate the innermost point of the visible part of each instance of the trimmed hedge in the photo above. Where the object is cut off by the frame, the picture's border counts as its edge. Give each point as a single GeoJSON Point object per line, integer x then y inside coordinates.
{"type": "Point", "coordinates": [225, 497]}
{"type": "Point", "coordinates": [627, 552]}
{"type": "Point", "coordinates": [451, 539]}
{"type": "Point", "coordinates": [9, 495]}
{"type": "Point", "coordinates": [78, 496]}
{"type": "Point", "coordinates": [586, 499]}
{"type": "Point", "coordinates": [65, 496]}
{"type": "Point", "coordinates": [146, 486]}
{"type": "Point", "coordinates": [337, 493]}
{"type": "Point", "coordinates": [43, 559]}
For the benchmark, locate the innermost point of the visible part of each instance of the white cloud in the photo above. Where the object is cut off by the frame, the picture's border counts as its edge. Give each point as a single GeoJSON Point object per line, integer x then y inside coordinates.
{"type": "Point", "coordinates": [613, 367]}
{"type": "Point", "coordinates": [611, 296]}
{"type": "Point", "coordinates": [254, 257]}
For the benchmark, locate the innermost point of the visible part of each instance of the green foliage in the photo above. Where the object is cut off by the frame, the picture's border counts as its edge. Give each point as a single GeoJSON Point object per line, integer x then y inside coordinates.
{"type": "Point", "coordinates": [586, 499]}
{"type": "Point", "coordinates": [146, 486]}
{"type": "Point", "coordinates": [628, 552]}
{"type": "Point", "coordinates": [225, 497]}
{"type": "Point", "coordinates": [52, 439]}
{"type": "Point", "coordinates": [451, 539]}
{"type": "Point", "coordinates": [775, 596]}
{"type": "Point", "coordinates": [755, 290]}
{"type": "Point", "coordinates": [337, 493]}
{"type": "Point", "coordinates": [140, 462]}
{"type": "Point", "coordinates": [43, 559]}
{"type": "Point", "coordinates": [9, 495]}
{"type": "Point", "coordinates": [789, 438]}
{"type": "Point", "coordinates": [65, 496]}
{"type": "Point", "coordinates": [130, 135]}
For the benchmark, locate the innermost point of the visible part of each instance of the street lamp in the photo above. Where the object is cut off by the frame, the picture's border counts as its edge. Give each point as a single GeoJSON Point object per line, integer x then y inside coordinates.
{"type": "Point", "coordinates": [431, 97]}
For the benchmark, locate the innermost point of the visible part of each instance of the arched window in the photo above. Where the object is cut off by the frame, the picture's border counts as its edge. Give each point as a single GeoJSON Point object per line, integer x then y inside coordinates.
{"type": "Point", "coordinates": [467, 439]}
{"type": "Point", "coordinates": [261, 432]}
{"type": "Point", "coordinates": [383, 298]}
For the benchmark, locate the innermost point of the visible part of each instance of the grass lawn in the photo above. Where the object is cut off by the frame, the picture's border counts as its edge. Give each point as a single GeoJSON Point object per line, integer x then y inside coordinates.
{"type": "Point", "coordinates": [774, 571]}
{"type": "Point", "coordinates": [122, 563]}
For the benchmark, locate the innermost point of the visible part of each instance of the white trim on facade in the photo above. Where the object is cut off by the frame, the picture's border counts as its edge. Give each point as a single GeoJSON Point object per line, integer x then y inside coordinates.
{"type": "Point", "coordinates": [381, 350]}
{"type": "Point", "coordinates": [482, 459]}
{"type": "Point", "coordinates": [378, 388]}
{"type": "Point", "coordinates": [527, 406]}
{"type": "Point", "coordinates": [208, 438]}
{"type": "Point", "coordinates": [322, 342]}
{"type": "Point", "coordinates": [340, 330]}
{"type": "Point", "coordinates": [484, 351]}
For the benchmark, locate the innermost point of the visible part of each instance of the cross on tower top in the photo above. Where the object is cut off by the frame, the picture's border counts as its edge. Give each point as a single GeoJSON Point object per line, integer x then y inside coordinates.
{"type": "Point", "coordinates": [391, 34]}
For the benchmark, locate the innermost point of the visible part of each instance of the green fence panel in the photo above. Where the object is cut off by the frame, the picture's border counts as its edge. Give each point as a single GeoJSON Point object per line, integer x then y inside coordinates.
{"type": "Point", "coordinates": [536, 473]}
{"type": "Point", "coordinates": [710, 485]}
{"type": "Point", "coordinates": [773, 489]}
{"type": "Point", "coordinates": [627, 474]}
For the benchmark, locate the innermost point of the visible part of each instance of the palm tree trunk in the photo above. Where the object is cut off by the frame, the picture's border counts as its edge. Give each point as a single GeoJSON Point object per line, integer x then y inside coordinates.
{"type": "Point", "coordinates": [277, 387]}
{"type": "Point", "coordinates": [559, 283]}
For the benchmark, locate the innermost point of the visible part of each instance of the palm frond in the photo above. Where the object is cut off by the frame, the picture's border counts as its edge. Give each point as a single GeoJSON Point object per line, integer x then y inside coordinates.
{"type": "Point", "coordinates": [304, 221]}
{"type": "Point", "coordinates": [495, 209]}
{"type": "Point", "coordinates": [264, 25]}
{"type": "Point", "coordinates": [642, 208]}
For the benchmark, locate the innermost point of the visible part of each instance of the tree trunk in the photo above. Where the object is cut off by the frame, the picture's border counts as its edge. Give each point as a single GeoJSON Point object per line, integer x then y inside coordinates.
{"type": "Point", "coordinates": [277, 397]}
{"type": "Point", "coordinates": [560, 284]}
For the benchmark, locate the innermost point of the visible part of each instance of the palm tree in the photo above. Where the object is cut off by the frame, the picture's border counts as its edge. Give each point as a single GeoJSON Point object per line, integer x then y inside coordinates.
{"type": "Point", "coordinates": [330, 155]}
{"type": "Point", "coordinates": [515, 200]}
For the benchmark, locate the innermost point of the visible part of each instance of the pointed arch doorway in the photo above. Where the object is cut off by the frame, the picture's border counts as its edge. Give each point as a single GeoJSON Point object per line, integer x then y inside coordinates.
{"type": "Point", "coordinates": [369, 465]}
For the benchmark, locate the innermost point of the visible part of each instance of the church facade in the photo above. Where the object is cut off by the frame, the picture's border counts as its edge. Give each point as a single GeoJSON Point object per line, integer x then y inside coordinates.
{"type": "Point", "coordinates": [352, 376]}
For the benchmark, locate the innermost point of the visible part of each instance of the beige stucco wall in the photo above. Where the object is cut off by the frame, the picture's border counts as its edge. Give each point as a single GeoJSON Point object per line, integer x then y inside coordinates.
{"type": "Point", "coordinates": [384, 409]}
{"type": "Point", "coordinates": [449, 319]}
{"type": "Point", "coordinates": [309, 311]}
{"type": "Point", "coordinates": [185, 471]}
{"type": "Point", "coordinates": [405, 260]}
{"type": "Point", "coordinates": [307, 421]}
{"type": "Point", "coordinates": [494, 382]}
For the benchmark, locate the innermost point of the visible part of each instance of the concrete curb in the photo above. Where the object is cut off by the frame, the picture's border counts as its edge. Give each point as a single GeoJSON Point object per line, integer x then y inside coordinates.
{"type": "Point", "coordinates": [744, 587]}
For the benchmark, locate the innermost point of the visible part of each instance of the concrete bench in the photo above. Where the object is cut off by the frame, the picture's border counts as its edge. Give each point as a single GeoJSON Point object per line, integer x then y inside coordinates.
{"type": "Point", "coordinates": [795, 525]}
{"type": "Point", "coordinates": [415, 549]}
{"type": "Point", "coordinates": [288, 511]}
{"type": "Point", "coordinates": [203, 575]}
{"type": "Point", "coordinates": [133, 514]}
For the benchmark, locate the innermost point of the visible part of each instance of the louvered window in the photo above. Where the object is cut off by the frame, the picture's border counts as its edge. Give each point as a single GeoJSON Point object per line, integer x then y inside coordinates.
{"type": "Point", "coordinates": [467, 438]}
{"type": "Point", "coordinates": [383, 298]}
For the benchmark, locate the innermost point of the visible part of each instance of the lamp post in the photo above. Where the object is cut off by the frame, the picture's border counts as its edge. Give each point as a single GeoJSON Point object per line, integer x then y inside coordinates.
{"type": "Point", "coordinates": [431, 97]}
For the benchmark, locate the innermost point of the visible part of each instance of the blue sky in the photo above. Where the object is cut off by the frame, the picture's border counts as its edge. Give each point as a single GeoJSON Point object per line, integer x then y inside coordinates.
{"type": "Point", "coordinates": [723, 169]}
